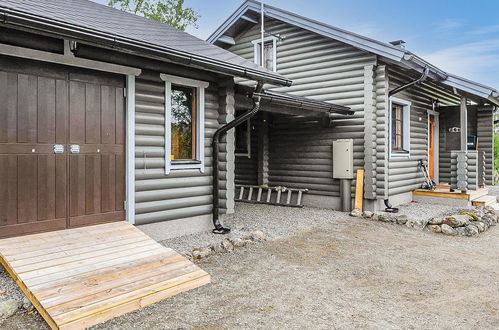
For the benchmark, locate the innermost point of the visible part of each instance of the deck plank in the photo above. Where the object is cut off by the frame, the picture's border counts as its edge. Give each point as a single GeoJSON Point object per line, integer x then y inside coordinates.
{"type": "Point", "coordinates": [80, 277]}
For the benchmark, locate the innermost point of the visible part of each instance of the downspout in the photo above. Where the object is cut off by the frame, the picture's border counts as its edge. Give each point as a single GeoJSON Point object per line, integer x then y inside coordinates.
{"type": "Point", "coordinates": [219, 228]}
{"type": "Point", "coordinates": [389, 207]}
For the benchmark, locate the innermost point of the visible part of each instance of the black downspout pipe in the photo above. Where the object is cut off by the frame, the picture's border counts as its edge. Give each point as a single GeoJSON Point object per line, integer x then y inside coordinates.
{"type": "Point", "coordinates": [219, 229]}
{"type": "Point", "coordinates": [389, 208]}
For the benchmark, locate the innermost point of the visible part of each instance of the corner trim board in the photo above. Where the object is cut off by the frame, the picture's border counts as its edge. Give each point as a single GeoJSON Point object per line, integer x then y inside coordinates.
{"type": "Point", "coordinates": [130, 149]}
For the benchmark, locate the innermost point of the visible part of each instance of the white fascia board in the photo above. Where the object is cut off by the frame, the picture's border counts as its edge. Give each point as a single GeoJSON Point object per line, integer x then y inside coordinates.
{"type": "Point", "coordinates": [367, 44]}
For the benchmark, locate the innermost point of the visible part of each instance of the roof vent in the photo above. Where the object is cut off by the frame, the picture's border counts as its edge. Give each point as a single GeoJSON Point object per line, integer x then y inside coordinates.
{"type": "Point", "coordinates": [398, 43]}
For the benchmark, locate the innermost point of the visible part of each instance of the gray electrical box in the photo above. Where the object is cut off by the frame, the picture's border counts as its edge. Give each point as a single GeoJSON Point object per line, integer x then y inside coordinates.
{"type": "Point", "coordinates": [343, 159]}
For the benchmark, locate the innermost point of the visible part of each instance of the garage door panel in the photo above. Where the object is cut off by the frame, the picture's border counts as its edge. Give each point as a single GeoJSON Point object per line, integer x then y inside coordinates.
{"type": "Point", "coordinates": [8, 189]}
{"type": "Point", "coordinates": [8, 107]}
{"type": "Point", "coordinates": [108, 106]}
{"type": "Point", "coordinates": [61, 104]}
{"type": "Point", "coordinates": [76, 112]}
{"type": "Point", "coordinates": [27, 188]}
{"type": "Point", "coordinates": [46, 187]}
{"type": "Point", "coordinates": [108, 187]}
{"type": "Point", "coordinates": [27, 109]}
{"type": "Point", "coordinates": [46, 110]}
{"type": "Point", "coordinates": [77, 185]}
{"type": "Point", "coordinates": [92, 122]}
{"type": "Point", "coordinates": [60, 186]}
{"type": "Point", "coordinates": [92, 184]}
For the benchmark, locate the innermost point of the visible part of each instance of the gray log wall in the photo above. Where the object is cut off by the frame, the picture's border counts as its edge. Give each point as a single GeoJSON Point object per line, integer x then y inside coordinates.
{"type": "Point", "coordinates": [485, 135]}
{"type": "Point", "coordinates": [182, 193]}
{"type": "Point", "coordinates": [321, 69]}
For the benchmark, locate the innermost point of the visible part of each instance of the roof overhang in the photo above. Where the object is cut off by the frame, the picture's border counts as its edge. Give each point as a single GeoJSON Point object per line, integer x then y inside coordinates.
{"type": "Point", "coordinates": [252, 8]}
{"type": "Point", "coordinates": [393, 54]}
{"type": "Point", "coordinates": [284, 103]}
{"type": "Point", "coordinates": [17, 19]}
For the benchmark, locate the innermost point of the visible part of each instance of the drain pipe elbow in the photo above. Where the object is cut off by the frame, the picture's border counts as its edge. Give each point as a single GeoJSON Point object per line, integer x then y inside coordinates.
{"type": "Point", "coordinates": [218, 227]}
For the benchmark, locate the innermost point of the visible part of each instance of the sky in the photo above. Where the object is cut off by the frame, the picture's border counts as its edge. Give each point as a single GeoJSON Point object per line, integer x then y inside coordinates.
{"type": "Point", "coordinates": [461, 37]}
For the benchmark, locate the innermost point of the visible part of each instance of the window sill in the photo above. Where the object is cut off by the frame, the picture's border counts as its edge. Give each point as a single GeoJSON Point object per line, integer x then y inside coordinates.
{"type": "Point", "coordinates": [185, 165]}
{"type": "Point", "coordinates": [401, 154]}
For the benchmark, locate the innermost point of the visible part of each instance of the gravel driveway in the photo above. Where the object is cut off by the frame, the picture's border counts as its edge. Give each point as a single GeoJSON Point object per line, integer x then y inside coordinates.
{"type": "Point", "coordinates": [335, 272]}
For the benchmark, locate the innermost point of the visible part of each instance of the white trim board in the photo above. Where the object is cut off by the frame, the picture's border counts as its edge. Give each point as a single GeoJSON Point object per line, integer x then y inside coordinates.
{"type": "Point", "coordinates": [130, 149]}
{"type": "Point", "coordinates": [257, 54]}
{"type": "Point", "coordinates": [200, 102]}
{"type": "Point", "coordinates": [407, 127]}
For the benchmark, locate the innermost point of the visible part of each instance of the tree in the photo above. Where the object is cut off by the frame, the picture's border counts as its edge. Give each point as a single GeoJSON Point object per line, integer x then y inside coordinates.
{"type": "Point", "coordinates": [171, 12]}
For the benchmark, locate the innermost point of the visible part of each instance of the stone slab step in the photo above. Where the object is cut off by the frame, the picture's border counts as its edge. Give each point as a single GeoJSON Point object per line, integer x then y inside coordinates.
{"type": "Point", "coordinates": [484, 200]}
{"type": "Point", "coordinates": [495, 206]}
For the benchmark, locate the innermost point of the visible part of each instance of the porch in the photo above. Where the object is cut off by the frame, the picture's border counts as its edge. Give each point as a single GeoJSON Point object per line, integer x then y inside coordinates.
{"type": "Point", "coordinates": [444, 194]}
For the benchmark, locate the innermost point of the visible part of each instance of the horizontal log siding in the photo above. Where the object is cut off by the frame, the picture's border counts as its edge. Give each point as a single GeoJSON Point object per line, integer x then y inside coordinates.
{"type": "Point", "coordinates": [381, 122]}
{"type": "Point", "coordinates": [182, 193]}
{"type": "Point", "coordinates": [485, 135]}
{"type": "Point", "coordinates": [321, 69]}
{"type": "Point", "coordinates": [403, 173]}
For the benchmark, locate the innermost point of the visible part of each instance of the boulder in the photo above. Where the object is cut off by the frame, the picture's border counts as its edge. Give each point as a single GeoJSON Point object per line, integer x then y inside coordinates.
{"type": "Point", "coordinates": [434, 228]}
{"type": "Point", "coordinates": [457, 220]}
{"type": "Point", "coordinates": [474, 216]}
{"type": "Point", "coordinates": [448, 230]}
{"type": "Point", "coordinates": [401, 219]}
{"type": "Point", "coordinates": [435, 221]}
{"type": "Point", "coordinates": [472, 230]}
{"type": "Point", "coordinates": [238, 242]}
{"type": "Point", "coordinates": [9, 307]}
{"type": "Point", "coordinates": [227, 245]}
{"type": "Point", "coordinates": [257, 236]}
{"type": "Point", "coordinates": [201, 253]}
{"type": "Point", "coordinates": [27, 305]}
{"type": "Point", "coordinates": [417, 223]}
{"type": "Point", "coordinates": [480, 225]}
{"type": "Point", "coordinates": [367, 214]}
{"type": "Point", "coordinates": [218, 248]}
{"type": "Point", "coordinates": [356, 213]}
{"type": "Point", "coordinates": [461, 231]}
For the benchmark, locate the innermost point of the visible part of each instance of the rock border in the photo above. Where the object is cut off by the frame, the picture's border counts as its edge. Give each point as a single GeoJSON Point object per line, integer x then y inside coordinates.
{"type": "Point", "coordinates": [465, 223]}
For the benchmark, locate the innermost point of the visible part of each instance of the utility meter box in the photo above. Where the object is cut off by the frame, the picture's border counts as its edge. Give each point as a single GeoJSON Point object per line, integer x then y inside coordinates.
{"type": "Point", "coordinates": [343, 159]}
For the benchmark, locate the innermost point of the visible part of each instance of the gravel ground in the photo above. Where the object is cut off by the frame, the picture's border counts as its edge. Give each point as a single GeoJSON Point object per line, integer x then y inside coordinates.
{"type": "Point", "coordinates": [325, 270]}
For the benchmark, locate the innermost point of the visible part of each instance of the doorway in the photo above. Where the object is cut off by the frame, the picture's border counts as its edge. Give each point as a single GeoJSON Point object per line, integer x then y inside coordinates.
{"type": "Point", "coordinates": [62, 147]}
{"type": "Point", "coordinates": [433, 150]}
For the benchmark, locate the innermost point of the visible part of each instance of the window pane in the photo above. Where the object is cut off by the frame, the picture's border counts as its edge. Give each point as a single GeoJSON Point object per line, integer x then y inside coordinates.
{"type": "Point", "coordinates": [269, 55]}
{"type": "Point", "coordinates": [183, 122]}
{"type": "Point", "coordinates": [397, 127]}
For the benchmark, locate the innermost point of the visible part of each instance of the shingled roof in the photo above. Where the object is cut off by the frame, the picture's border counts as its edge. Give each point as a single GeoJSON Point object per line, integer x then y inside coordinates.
{"type": "Point", "coordinates": [89, 21]}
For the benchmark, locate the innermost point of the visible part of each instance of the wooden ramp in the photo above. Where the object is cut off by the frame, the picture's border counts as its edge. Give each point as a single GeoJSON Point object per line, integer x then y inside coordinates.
{"type": "Point", "coordinates": [80, 277]}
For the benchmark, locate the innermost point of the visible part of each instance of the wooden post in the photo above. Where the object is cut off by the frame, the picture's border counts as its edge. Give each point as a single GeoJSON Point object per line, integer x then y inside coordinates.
{"type": "Point", "coordinates": [359, 190]}
{"type": "Point", "coordinates": [464, 124]}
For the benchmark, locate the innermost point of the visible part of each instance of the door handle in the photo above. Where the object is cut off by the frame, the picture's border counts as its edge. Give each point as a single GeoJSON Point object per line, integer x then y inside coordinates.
{"type": "Point", "coordinates": [58, 148]}
{"type": "Point", "coordinates": [75, 149]}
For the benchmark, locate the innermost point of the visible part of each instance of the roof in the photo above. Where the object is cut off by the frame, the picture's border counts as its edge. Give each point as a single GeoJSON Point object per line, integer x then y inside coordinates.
{"type": "Point", "coordinates": [91, 22]}
{"type": "Point", "coordinates": [304, 103]}
{"type": "Point", "coordinates": [395, 54]}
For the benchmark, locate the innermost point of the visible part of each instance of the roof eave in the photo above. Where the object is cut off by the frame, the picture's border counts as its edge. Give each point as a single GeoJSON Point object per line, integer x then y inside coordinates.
{"type": "Point", "coordinates": [17, 18]}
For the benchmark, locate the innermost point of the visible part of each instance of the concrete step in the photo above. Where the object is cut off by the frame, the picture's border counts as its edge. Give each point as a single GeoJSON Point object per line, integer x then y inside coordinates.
{"type": "Point", "coordinates": [484, 200]}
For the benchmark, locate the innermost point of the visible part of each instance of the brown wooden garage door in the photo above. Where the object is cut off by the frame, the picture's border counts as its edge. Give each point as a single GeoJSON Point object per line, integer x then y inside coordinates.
{"type": "Point", "coordinates": [62, 147]}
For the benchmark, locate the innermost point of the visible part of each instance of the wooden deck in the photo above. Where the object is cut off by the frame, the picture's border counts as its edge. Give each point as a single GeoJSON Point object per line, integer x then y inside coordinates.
{"type": "Point", "coordinates": [478, 197]}
{"type": "Point", "coordinates": [80, 277]}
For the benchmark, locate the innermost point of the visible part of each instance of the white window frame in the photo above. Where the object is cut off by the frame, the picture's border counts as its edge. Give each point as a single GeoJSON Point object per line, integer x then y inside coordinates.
{"type": "Point", "coordinates": [407, 128]}
{"type": "Point", "coordinates": [200, 86]}
{"type": "Point", "coordinates": [257, 54]}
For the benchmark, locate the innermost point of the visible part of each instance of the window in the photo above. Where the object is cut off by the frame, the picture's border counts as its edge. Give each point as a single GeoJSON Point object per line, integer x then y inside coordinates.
{"type": "Point", "coordinates": [269, 53]}
{"type": "Point", "coordinates": [184, 123]}
{"type": "Point", "coordinates": [399, 127]}
{"type": "Point", "coordinates": [243, 138]}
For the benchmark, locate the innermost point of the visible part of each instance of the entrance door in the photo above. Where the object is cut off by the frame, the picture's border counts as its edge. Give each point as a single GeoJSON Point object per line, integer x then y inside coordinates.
{"type": "Point", "coordinates": [44, 109]}
{"type": "Point", "coordinates": [431, 147]}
